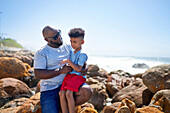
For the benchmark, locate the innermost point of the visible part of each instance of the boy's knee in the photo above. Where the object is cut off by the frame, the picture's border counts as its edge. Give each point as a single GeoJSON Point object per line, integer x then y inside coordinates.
{"type": "Point", "coordinates": [62, 93]}
{"type": "Point", "coordinates": [69, 94]}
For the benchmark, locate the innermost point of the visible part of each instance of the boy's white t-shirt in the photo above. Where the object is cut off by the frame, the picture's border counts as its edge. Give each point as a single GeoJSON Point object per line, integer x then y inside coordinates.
{"type": "Point", "coordinates": [50, 58]}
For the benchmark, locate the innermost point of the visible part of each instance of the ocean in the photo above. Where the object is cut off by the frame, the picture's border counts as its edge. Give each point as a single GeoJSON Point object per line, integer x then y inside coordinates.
{"type": "Point", "coordinates": [112, 63]}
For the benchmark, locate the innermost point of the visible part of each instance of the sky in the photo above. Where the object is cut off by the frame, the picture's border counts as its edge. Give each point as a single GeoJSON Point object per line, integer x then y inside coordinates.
{"type": "Point", "coordinates": [112, 27]}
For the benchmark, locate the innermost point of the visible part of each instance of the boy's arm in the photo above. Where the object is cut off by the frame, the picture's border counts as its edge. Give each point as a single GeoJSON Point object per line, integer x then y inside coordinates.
{"type": "Point", "coordinates": [85, 69]}
{"type": "Point", "coordinates": [74, 66]}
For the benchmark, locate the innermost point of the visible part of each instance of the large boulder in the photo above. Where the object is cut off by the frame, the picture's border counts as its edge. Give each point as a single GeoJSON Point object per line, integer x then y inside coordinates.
{"type": "Point", "coordinates": [27, 59]}
{"type": "Point", "coordinates": [24, 58]}
{"type": "Point", "coordinates": [111, 89]}
{"type": "Point", "coordinates": [157, 78]}
{"type": "Point", "coordinates": [162, 99]}
{"type": "Point", "coordinates": [31, 81]}
{"type": "Point", "coordinates": [126, 106]}
{"type": "Point", "coordinates": [13, 106]}
{"type": "Point", "coordinates": [120, 78]}
{"type": "Point", "coordinates": [12, 88]}
{"type": "Point", "coordinates": [140, 65]}
{"type": "Point", "coordinates": [133, 92]}
{"type": "Point", "coordinates": [147, 96]}
{"type": "Point", "coordinates": [94, 71]}
{"type": "Point", "coordinates": [99, 96]}
{"type": "Point", "coordinates": [32, 105]}
{"type": "Point", "coordinates": [27, 66]}
{"type": "Point", "coordinates": [126, 81]}
{"type": "Point", "coordinates": [85, 108]}
{"type": "Point", "coordinates": [89, 105]}
{"type": "Point", "coordinates": [24, 55]}
{"type": "Point", "coordinates": [91, 81]}
{"type": "Point", "coordinates": [112, 108]}
{"type": "Point", "coordinates": [88, 110]}
{"type": "Point", "coordinates": [93, 68]}
{"type": "Point", "coordinates": [12, 67]}
{"type": "Point", "coordinates": [148, 109]}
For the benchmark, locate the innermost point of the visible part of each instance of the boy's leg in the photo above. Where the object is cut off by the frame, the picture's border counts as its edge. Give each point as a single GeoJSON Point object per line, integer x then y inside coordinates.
{"type": "Point", "coordinates": [63, 101]}
{"type": "Point", "coordinates": [71, 102]}
{"type": "Point", "coordinates": [50, 102]}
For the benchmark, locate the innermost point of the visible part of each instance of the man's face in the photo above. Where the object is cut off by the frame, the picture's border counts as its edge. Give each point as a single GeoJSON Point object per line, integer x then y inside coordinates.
{"type": "Point", "coordinates": [55, 41]}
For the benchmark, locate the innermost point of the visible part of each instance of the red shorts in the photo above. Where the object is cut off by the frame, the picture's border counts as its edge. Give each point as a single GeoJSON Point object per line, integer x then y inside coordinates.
{"type": "Point", "coordinates": [72, 82]}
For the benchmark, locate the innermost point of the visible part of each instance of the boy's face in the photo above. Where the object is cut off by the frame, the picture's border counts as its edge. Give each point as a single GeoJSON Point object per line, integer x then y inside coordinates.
{"type": "Point", "coordinates": [76, 42]}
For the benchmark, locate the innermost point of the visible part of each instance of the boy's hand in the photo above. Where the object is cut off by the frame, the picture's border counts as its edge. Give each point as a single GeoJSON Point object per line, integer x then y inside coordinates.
{"type": "Point", "coordinates": [64, 61]}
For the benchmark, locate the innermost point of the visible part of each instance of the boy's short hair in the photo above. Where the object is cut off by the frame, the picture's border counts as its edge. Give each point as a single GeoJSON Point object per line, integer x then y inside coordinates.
{"type": "Point", "coordinates": [76, 32]}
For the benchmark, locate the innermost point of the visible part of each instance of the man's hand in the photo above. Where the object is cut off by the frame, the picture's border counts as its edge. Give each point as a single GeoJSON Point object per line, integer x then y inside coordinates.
{"type": "Point", "coordinates": [65, 69]}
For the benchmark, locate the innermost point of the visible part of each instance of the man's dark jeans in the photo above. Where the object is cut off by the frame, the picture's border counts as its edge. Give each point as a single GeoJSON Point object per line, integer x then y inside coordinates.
{"type": "Point", "coordinates": [50, 101]}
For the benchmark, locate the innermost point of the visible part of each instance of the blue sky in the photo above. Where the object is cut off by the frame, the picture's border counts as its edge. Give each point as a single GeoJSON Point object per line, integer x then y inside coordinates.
{"type": "Point", "coordinates": [113, 27]}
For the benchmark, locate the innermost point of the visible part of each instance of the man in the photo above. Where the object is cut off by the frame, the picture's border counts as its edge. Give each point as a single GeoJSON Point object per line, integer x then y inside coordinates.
{"type": "Point", "coordinates": [47, 68]}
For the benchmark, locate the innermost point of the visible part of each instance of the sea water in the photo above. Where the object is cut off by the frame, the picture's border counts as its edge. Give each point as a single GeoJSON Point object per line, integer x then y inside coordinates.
{"type": "Point", "coordinates": [112, 63]}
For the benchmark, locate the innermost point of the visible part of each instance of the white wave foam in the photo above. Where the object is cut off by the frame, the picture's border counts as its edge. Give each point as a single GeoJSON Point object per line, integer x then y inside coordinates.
{"type": "Point", "coordinates": [122, 63]}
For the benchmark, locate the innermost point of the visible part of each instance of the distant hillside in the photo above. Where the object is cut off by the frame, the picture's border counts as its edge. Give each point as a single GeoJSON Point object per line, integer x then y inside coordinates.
{"type": "Point", "coordinates": [8, 42]}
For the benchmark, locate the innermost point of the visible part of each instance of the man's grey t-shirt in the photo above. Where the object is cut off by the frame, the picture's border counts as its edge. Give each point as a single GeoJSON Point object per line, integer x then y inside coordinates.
{"type": "Point", "coordinates": [50, 58]}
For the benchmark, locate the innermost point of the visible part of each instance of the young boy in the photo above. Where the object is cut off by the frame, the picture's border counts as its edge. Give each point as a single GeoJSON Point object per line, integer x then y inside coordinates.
{"type": "Point", "coordinates": [74, 79]}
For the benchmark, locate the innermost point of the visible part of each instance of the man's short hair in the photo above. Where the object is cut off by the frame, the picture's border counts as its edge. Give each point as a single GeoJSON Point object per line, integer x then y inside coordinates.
{"type": "Point", "coordinates": [48, 31]}
{"type": "Point", "coordinates": [76, 32]}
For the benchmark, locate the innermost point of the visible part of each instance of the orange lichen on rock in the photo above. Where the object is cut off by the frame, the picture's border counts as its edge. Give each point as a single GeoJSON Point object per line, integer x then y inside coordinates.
{"type": "Point", "coordinates": [85, 108]}
{"type": "Point", "coordinates": [152, 87]}
{"type": "Point", "coordinates": [77, 109]}
{"type": "Point", "coordinates": [32, 105]}
{"type": "Point", "coordinates": [161, 100]}
{"type": "Point", "coordinates": [12, 67]}
{"type": "Point", "coordinates": [126, 105]}
{"type": "Point", "coordinates": [88, 110]}
{"type": "Point", "coordinates": [157, 78]}
{"type": "Point", "coordinates": [27, 66]}
{"type": "Point", "coordinates": [148, 109]}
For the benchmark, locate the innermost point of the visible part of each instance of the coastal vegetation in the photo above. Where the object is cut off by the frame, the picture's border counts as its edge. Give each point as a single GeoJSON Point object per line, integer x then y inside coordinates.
{"type": "Point", "coordinates": [8, 42]}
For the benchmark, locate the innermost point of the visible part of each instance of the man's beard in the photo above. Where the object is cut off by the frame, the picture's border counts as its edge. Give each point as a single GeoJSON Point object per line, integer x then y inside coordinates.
{"type": "Point", "coordinates": [56, 44]}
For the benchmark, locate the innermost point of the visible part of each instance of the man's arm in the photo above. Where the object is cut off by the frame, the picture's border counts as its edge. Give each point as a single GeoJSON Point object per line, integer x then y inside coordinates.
{"type": "Point", "coordinates": [47, 74]}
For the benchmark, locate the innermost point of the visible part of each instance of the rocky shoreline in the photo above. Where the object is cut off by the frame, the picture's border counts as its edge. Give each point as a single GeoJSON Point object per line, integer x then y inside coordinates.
{"type": "Point", "coordinates": [116, 91]}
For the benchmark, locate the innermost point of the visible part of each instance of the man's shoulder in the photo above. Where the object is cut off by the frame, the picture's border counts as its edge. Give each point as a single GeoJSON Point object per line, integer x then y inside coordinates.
{"type": "Point", "coordinates": [68, 46]}
{"type": "Point", "coordinates": [41, 50]}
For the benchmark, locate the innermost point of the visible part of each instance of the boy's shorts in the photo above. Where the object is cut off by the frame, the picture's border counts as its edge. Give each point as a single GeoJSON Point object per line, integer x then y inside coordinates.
{"type": "Point", "coordinates": [72, 82]}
